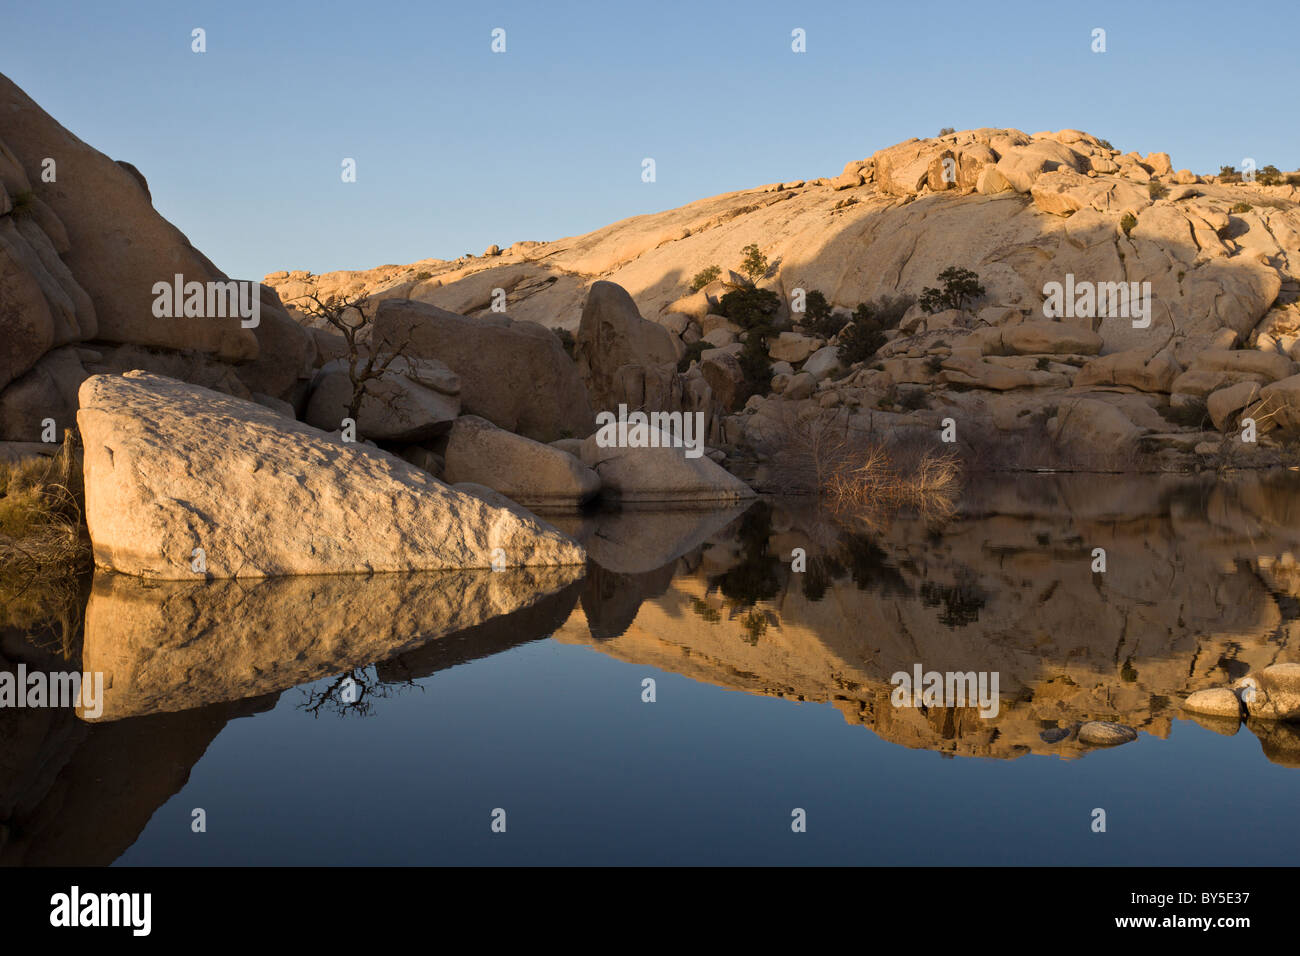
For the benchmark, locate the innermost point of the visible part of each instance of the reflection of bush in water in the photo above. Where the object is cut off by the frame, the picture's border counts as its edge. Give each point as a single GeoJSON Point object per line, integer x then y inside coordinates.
{"type": "Point", "coordinates": [755, 577]}
{"type": "Point", "coordinates": [961, 602]}
{"type": "Point", "coordinates": [710, 614]}
{"type": "Point", "coordinates": [870, 567]}
{"type": "Point", "coordinates": [821, 574]}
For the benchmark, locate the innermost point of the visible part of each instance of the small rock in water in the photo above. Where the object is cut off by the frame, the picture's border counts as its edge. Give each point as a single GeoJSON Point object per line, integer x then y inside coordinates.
{"type": "Point", "coordinates": [1218, 702]}
{"type": "Point", "coordinates": [1055, 735]}
{"type": "Point", "coordinates": [1104, 733]}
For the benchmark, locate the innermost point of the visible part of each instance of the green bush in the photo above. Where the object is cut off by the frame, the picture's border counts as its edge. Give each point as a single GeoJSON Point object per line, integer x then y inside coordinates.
{"type": "Point", "coordinates": [1269, 175]}
{"type": "Point", "coordinates": [704, 277]}
{"type": "Point", "coordinates": [947, 131]}
{"type": "Point", "coordinates": [567, 341]}
{"type": "Point", "coordinates": [1157, 190]}
{"type": "Point", "coordinates": [693, 351]}
{"type": "Point", "coordinates": [1240, 208]}
{"type": "Point", "coordinates": [871, 320]}
{"type": "Point", "coordinates": [422, 275]}
{"type": "Point", "coordinates": [1128, 222]}
{"type": "Point", "coordinates": [750, 308]}
{"type": "Point", "coordinates": [819, 318]}
{"type": "Point", "coordinates": [754, 264]}
{"type": "Point", "coordinates": [756, 366]}
{"type": "Point", "coordinates": [22, 203]}
{"type": "Point", "coordinates": [1229, 174]}
{"type": "Point", "coordinates": [960, 287]}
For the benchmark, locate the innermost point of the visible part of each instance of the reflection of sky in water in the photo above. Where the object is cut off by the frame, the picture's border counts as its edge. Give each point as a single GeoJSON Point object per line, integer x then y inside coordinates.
{"type": "Point", "coordinates": [558, 736]}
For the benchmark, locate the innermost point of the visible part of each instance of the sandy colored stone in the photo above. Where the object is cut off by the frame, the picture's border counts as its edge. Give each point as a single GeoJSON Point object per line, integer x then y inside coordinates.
{"type": "Point", "coordinates": [171, 467]}
{"type": "Point", "coordinates": [525, 471]}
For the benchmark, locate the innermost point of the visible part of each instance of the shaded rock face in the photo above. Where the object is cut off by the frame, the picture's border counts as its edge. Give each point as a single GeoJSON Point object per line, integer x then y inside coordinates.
{"type": "Point", "coordinates": [525, 471]}
{"type": "Point", "coordinates": [612, 334]}
{"type": "Point", "coordinates": [117, 244]}
{"type": "Point", "coordinates": [660, 474]}
{"type": "Point", "coordinates": [171, 468]}
{"type": "Point", "coordinates": [240, 640]}
{"type": "Point", "coordinates": [514, 374]}
{"type": "Point", "coordinates": [411, 401]}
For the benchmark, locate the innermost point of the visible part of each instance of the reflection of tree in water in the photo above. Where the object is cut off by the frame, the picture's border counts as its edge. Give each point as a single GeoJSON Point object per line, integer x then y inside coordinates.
{"type": "Point", "coordinates": [961, 602]}
{"type": "Point", "coordinates": [353, 693]}
{"type": "Point", "coordinates": [870, 566]}
{"type": "Point", "coordinates": [756, 576]}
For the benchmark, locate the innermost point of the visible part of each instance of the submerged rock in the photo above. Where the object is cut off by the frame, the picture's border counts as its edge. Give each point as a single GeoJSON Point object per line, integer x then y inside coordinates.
{"type": "Point", "coordinates": [182, 482]}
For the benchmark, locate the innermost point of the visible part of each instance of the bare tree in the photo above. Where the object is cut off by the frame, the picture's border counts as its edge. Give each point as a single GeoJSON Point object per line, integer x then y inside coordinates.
{"type": "Point", "coordinates": [351, 315]}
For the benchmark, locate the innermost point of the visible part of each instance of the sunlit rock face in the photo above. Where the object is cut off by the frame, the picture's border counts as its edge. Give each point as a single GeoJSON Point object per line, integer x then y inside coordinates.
{"type": "Point", "coordinates": [173, 469]}
{"type": "Point", "coordinates": [175, 646]}
{"type": "Point", "coordinates": [1005, 587]}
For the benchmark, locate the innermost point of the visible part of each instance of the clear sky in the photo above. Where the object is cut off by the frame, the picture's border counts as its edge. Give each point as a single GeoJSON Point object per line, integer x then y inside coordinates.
{"type": "Point", "coordinates": [458, 147]}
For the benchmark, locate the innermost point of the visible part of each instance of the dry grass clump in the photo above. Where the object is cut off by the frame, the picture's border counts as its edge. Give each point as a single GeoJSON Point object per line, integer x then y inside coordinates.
{"type": "Point", "coordinates": [864, 472]}
{"type": "Point", "coordinates": [879, 477]}
{"type": "Point", "coordinates": [44, 547]}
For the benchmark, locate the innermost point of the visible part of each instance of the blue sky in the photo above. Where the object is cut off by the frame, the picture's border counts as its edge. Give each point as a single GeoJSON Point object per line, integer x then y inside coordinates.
{"type": "Point", "coordinates": [458, 148]}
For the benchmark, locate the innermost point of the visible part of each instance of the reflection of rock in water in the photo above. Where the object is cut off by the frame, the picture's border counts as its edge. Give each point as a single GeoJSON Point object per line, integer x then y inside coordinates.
{"type": "Point", "coordinates": [1195, 592]}
{"type": "Point", "coordinates": [172, 646]}
{"type": "Point", "coordinates": [532, 623]}
{"type": "Point", "coordinates": [77, 794]}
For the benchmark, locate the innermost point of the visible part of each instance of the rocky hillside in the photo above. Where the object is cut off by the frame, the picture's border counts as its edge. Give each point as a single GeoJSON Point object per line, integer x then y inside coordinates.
{"type": "Point", "coordinates": [1021, 212]}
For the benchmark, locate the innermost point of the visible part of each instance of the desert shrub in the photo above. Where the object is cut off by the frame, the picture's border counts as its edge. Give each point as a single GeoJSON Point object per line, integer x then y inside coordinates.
{"type": "Point", "coordinates": [1043, 363]}
{"type": "Point", "coordinates": [693, 352]}
{"type": "Point", "coordinates": [1229, 174]}
{"type": "Point", "coordinates": [22, 203]}
{"type": "Point", "coordinates": [1239, 208]}
{"type": "Point", "coordinates": [960, 286]}
{"type": "Point", "coordinates": [704, 277]}
{"type": "Point", "coordinates": [1128, 222]}
{"type": "Point", "coordinates": [947, 131]}
{"type": "Point", "coordinates": [755, 264]}
{"type": "Point", "coordinates": [860, 341]}
{"type": "Point", "coordinates": [1105, 144]}
{"type": "Point", "coordinates": [750, 308]}
{"type": "Point", "coordinates": [819, 318]}
{"type": "Point", "coordinates": [567, 341]}
{"type": "Point", "coordinates": [422, 275]}
{"type": "Point", "coordinates": [756, 366]}
{"type": "Point", "coordinates": [1157, 190]}
{"type": "Point", "coordinates": [934, 363]}
{"type": "Point", "coordinates": [1269, 175]}
{"type": "Point", "coordinates": [44, 546]}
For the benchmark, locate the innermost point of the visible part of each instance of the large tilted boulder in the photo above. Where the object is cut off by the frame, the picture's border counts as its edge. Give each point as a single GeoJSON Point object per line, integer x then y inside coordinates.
{"type": "Point", "coordinates": [412, 400]}
{"type": "Point", "coordinates": [525, 471]}
{"type": "Point", "coordinates": [171, 468]}
{"type": "Point", "coordinates": [514, 374]}
{"type": "Point", "coordinates": [646, 474]}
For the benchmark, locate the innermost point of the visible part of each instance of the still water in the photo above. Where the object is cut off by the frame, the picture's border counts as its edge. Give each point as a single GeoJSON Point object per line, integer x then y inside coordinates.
{"type": "Point", "coordinates": [393, 720]}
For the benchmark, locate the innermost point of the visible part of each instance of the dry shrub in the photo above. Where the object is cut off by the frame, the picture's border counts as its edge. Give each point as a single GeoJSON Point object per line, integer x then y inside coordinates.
{"type": "Point", "coordinates": [44, 547]}
{"type": "Point", "coordinates": [863, 472]}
